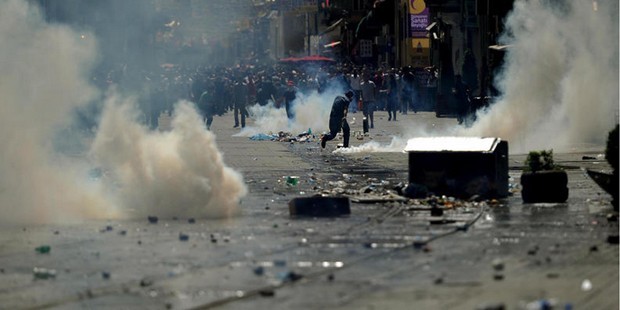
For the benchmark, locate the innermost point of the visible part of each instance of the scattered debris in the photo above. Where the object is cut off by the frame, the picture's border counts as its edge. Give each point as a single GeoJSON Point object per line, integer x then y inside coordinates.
{"type": "Point", "coordinates": [553, 275]}
{"type": "Point", "coordinates": [183, 237]}
{"type": "Point", "coordinates": [492, 306]}
{"type": "Point", "coordinates": [292, 180]}
{"type": "Point", "coordinates": [612, 217]}
{"type": "Point", "coordinates": [282, 136]}
{"type": "Point", "coordinates": [146, 282]}
{"type": "Point", "coordinates": [290, 276]}
{"type": "Point", "coordinates": [586, 285]}
{"type": "Point", "coordinates": [44, 249]}
{"type": "Point", "coordinates": [43, 273]}
{"type": "Point", "coordinates": [319, 206]}
{"type": "Point", "coordinates": [498, 264]}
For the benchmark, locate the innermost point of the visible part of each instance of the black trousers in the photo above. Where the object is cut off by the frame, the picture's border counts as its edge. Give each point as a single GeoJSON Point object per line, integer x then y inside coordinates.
{"type": "Point", "coordinates": [244, 113]}
{"type": "Point", "coordinates": [334, 129]}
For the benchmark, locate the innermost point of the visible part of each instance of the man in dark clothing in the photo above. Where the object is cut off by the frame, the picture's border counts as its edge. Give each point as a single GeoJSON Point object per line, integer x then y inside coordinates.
{"type": "Point", "coordinates": [461, 93]}
{"type": "Point", "coordinates": [207, 106]}
{"type": "Point", "coordinates": [240, 100]}
{"type": "Point", "coordinates": [289, 96]}
{"type": "Point", "coordinates": [338, 119]}
{"type": "Point", "coordinates": [266, 91]}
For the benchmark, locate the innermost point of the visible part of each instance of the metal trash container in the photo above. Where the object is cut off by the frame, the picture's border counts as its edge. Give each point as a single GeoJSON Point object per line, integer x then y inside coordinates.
{"type": "Point", "coordinates": [459, 166]}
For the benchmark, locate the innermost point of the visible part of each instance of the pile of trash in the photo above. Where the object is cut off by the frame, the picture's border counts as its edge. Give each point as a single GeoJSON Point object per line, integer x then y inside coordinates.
{"type": "Point", "coordinates": [282, 136]}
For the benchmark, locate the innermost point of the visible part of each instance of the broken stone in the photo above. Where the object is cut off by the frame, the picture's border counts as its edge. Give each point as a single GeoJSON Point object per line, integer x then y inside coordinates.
{"type": "Point", "coordinates": [553, 275]}
{"type": "Point", "coordinates": [183, 237]}
{"type": "Point", "coordinates": [492, 306]}
{"type": "Point", "coordinates": [498, 264]}
{"type": "Point", "coordinates": [43, 273]}
{"type": "Point", "coordinates": [290, 276]}
{"type": "Point", "coordinates": [146, 282]}
{"type": "Point", "coordinates": [319, 206]}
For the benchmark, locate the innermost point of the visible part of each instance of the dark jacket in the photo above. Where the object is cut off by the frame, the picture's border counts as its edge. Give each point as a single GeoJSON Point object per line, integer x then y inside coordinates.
{"type": "Point", "coordinates": [339, 108]}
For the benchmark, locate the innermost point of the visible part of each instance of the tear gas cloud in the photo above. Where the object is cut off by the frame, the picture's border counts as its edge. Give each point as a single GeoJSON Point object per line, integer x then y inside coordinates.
{"type": "Point", "coordinates": [560, 80]}
{"type": "Point", "coordinates": [46, 69]}
{"type": "Point", "coordinates": [559, 83]}
{"type": "Point", "coordinates": [311, 111]}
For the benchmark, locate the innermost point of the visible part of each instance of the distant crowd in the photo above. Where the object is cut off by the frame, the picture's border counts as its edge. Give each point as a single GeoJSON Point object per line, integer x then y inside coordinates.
{"type": "Point", "coordinates": [219, 90]}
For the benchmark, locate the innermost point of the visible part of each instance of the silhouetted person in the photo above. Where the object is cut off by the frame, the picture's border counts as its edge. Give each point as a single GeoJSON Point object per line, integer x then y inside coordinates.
{"type": "Point", "coordinates": [289, 96]}
{"type": "Point", "coordinates": [338, 119]}
{"type": "Point", "coordinates": [369, 100]}
{"type": "Point", "coordinates": [207, 107]}
{"type": "Point", "coordinates": [461, 92]}
{"type": "Point", "coordinates": [240, 100]}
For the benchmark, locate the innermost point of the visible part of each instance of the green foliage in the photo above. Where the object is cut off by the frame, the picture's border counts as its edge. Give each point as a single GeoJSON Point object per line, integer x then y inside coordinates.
{"type": "Point", "coordinates": [539, 161]}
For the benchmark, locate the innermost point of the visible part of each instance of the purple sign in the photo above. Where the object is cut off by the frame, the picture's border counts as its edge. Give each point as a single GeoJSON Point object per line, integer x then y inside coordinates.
{"type": "Point", "coordinates": [418, 24]}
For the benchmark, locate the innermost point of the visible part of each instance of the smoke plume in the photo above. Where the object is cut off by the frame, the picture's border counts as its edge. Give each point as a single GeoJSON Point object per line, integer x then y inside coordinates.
{"type": "Point", "coordinates": [45, 79]}
{"type": "Point", "coordinates": [560, 82]}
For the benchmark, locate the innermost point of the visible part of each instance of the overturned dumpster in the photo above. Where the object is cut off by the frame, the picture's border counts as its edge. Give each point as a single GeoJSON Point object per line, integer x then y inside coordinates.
{"type": "Point", "coordinates": [459, 166]}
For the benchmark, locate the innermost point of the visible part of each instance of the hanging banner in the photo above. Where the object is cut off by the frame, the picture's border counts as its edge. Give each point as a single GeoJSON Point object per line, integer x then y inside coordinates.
{"type": "Point", "coordinates": [419, 17]}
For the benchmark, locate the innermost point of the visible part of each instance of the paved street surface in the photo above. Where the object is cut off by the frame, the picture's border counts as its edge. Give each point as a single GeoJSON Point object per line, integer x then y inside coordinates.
{"type": "Point", "coordinates": [385, 255]}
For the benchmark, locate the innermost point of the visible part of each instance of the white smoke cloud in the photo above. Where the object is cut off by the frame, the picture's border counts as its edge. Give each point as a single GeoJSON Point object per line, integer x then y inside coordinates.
{"type": "Point", "coordinates": [45, 70]}
{"type": "Point", "coordinates": [43, 79]}
{"type": "Point", "coordinates": [560, 84]}
{"type": "Point", "coordinates": [180, 172]}
{"type": "Point", "coordinates": [311, 112]}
